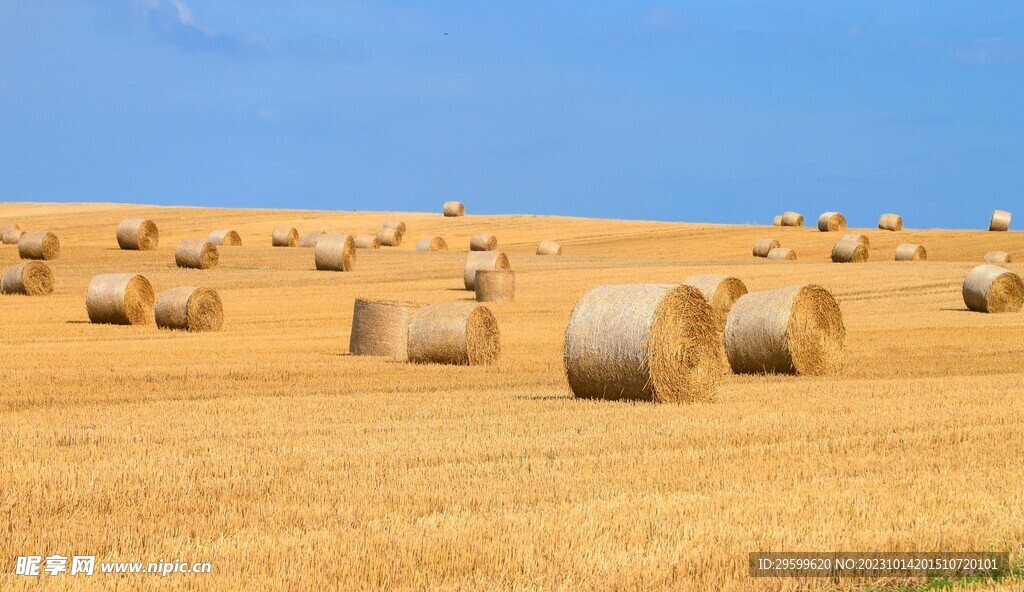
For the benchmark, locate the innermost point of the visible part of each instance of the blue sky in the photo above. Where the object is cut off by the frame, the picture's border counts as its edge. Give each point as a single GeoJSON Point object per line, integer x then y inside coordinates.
{"type": "Point", "coordinates": [721, 111]}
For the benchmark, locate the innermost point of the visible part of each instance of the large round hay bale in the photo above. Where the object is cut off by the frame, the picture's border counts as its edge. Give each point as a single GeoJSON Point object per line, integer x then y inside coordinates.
{"type": "Point", "coordinates": [777, 221]}
{"type": "Point", "coordinates": [860, 238]}
{"type": "Point", "coordinates": [227, 238]}
{"type": "Point", "coordinates": [284, 237]}
{"type": "Point", "coordinates": [188, 308]}
{"type": "Point", "coordinates": [32, 278]}
{"type": "Point", "coordinates": [381, 328]}
{"type": "Point", "coordinates": [998, 257]}
{"type": "Point", "coordinates": [495, 285]}
{"type": "Point", "coordinates": [646, 342]}
{"type": "Point", "coordinates": [481, 241]}
{"type": "Point", "coordinates": [763, 246]}
{"type": "Point", "coordinates": [849, 251]}
{"type": "Point", "coordinates": [793, 330]}
{"type": "Point", "coordinates": [308, 240]}
{"type": "Point", "coordinates": [196, 253]}
{"type": "Point", "coordinates": [890, 222]}
{"type": "Point", "coordinates": [455, 333]}
{"type": "Point", "coordinates": [335, 252]}
{"type": "Point", "coordinates": [911, 252]}
{"type": "Point", "coordinates": [389, 237]}
{"type": "Point", "coordinates": [990, 288]}
{"type": "Point", "coordinates": [721, 292]}
{"type": "Point", "coordinates": [454, 208]}
{"type": "Point", "coordinates": [396, 224]}
{"type": "Point", "coordinates": [782, 254]}
{"type": "Point", "coordinates": [38, 245]}
{"type": "Point", "coordinates": [432, 243]}
{"type": "Point", "coordinates": [482, 260]}
{"type": "Point", "coordinates": [549, 247]}
{"type": "Point", "coordinates": [9, 235]}
{"type": "Point", "coordinates": [1000, 221]}
{"type": "Point", "coordinates": [792, 219]}
{"type": "Point", "coordinates": [831, 222]}
{"type": "Point", "coordinates": [366, 241]}
{"type": "Point", "coordinates": [137, 234]}
{"type": "Point", "coordinates": [120, 299]}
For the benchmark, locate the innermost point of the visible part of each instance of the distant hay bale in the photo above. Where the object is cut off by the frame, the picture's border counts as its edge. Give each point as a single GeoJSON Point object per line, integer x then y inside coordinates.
{"type": "Point", "coordinates": [366, 241]}
{"type": "Point", "coordinates": [188, 308]}
{"type": "Point", "coordinates": [228, 238]}
{"type": "Point", "coordinates": [120, 299]}
{"type": "Point", "coordinates": [454, 208]}
{"type": "Point", "coordinates": [549, 247]}
{"type": "Point", "coordinates": [32, 278]}
{"type": "Point", "coordinates": [782, 254]}
{"type": "Point", "coordinates": [396, 224]}
{"type": "Point", "coordinates": [849, 251]}
{"type": "Point", "coordinates": [777, 221]}
{"type": "Point", "coordinates": [481, 241]}
{"type": "Point", "coordinates": [763, 246]}
{"type": "Point", "coordinates": [990, 288]}
{"type": "Point", "coordinates": [647, 342]}
{"type": "Point", "coordinates": [911, 252]}
{"type": "Point", "coordinates": [998, 257]}
{"type": "Point", "coordinates": [482, 260]}
{"type": "Point", "coordinates": [495, 285]}
{"type": "Point", "coordinates": [860, 238]}
{"type": "Point", "coordinates": [389, 237]}
{"type": "Point", "coordinates": [335, 252]}
{"type": "Point", "coordinates": [284, 237]}
{"type": "Point", "coordinates": [432, 243]}
{"type": "Point", "coordinates": [137, 234]}
{"type": "Point", "coordinates": [792, 219]}
{"type": "Point", "coordinates": [463, 333]}
{"type": "Point", "coordinates": [381, 328]}
{"type": "Point", "coordinates": [831, 222]}
{"type": "Point", "coordinates": [38, 245]}
{"type": "Point", "coordinates": [9, 235]}
{"type": "Point", "coordinates": [196, 253]}
{"type": "Point", "coordinates": [1000, 221]}
{"type": "Point", "coordinates": [308, 240]}
{"type": "Point", "coordinates": [721, 292]}
{"type": "Point", "coordinates": [793, 330]}
{"type": "Point", "coordinates": [890, 222]}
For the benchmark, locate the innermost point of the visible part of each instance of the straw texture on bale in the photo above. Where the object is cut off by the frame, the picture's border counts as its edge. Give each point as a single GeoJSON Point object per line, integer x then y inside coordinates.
{"type": "Point", "coordinates": [495, 285]}
{"type": "Point", "coordinates": [792, 219]}
{"type": "Point", "coordinates": [549, 247]}
{"type": "Point", "coordinates": [389, 237]}
{"type": "Point", "coordinates": [721, 292]}
{"type": "Point", "coordinates": [9, 235]}
{"type": "Point", "coordinates": [308, 240]}
{"type": "Point", "coordinates": [890, 222]}
{"type": "Point", "coordinates": [998, 257]}
{"type": "Point", "coordinates": [647, 342]}
{"type": "Point", "coordinates": [381, 328]}
{"type": "Point", "coordinates": [335, 252]}
{"type": "Point", "coordinates": [228, 238]}
{"type": "Point", "coordinates": [849, 251]}
{"type": "Point", "coordinates": [777, 221]}
{"type": "Point", "coordinates": [763, 246]}
{"type": "Point", "coordinates": [1000, 221]}
{"type": "Point", "coordinates": [188, 308]}
{"type": "Point", "coordinates": [284, 237]}
{"type": "Point", "coordinates": [831, 222]}
{"type": "Point", "coordinates": [454, 208]}
{"type": "Point", "coordinates": [32, 278]}
{"type": "Point", "coordinates": [432, 243]}
{"type": "Point", "coordinates": [137, 234]}
{"type": "Point", "coordinates": [911, 252]}
{"type": "Point", "coordinates": [366, 241]}
{"type": "Point", "coordinates": [38, 245]}
{"type": "Point", "coordinates": [990, 288]}
{"type": "Point", "coordinates": [793, 330]}
{"type": "Point", "coordinates": [120, 299]}
{"type": "Point", "coordinates": [396, 224]}
{"type": "Point", "coordinates": [860, 238]}
{"type": "Point", "coordinates": [196, 253]}
{"type": "Point", "coordinates": [782, 254]}
{"type": "Point", "coordinates": [463, 333]}
{"type": "Point", "coordinates": [481, 241]}
{"type": "Point", "coordinates": [484, 260]}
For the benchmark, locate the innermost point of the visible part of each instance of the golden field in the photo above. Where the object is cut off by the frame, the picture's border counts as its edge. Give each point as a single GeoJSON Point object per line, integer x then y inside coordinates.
{"type": "Point", "coordinates": [268, 451]}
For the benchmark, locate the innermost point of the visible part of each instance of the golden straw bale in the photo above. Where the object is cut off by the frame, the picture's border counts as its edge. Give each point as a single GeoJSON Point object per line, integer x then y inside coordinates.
{"type": "Point", "coordinates": [38, 245]}
{"type": "Point", "coordinates": [849, 251]}
{"type": "Point", "coordinates": [860, 238]}
{"type": "Point", "coordinates": [890, 222]}
{"type": "Point", "coordinates": [120, 299]}
{"type": "Point", "coordinates": [396, 224]}
{"type": "Point", "coordinates": [381, 328]}
{"type": "Point", "coordinates": [9, 235]}
{"type": "Point", "coordinates": [998, 257]}
{"type": "Point", "coordinates": [495, 285]}
{"type": "Point", "coordinates": [367, 241]}
{"type": "Point", "coordinates": [549, 247]}
{"type": "Point", "coordinates": [455, 333]}
{"type": "Point", "coordinates": [454, 208]}
{"type": "Point", "coordinates": [308, 240]}
{"type": "Point", "coordinates": [482, 260]}
{"type": "Point", "coordinates": [196, 253]}
{"type": "Point", "coordinates": [911, 252]}
{"type": "Point", "coordinates": [137, 234]}
{"type": "Point", "coordinates": [721, 292]}
{"type": "Point", "coordinates": [284, 237]}
{"type": "Point", "coordinates": [782, 254]}
{"type": "Point", "coordinates": [32, 278]}
{"type": "Point", "coordinates": [792, 219]}
{"type": "Point", "coordinates": [188, 308]}
{"type": "Point", "coordinates": [990, 288]}
{"type": "Point", "coordinates": [335, 252]}
{"type": "Point", "coordinates": [831, 222]}
{"type": "Point", "coordinates": [777, 221]}
{"type": "Point", "coordinates": [389, 237]}
{"type": "Point", "coordinates": [1000, 221]}
{"type": "Point", "coordinates": [763, 246]}
{"type": "Point", "coordinates": [481, 241]}
{"type": "Point", "coordinates": [432, 243]}
{"type": "Point", "coordinates": [227, 238]}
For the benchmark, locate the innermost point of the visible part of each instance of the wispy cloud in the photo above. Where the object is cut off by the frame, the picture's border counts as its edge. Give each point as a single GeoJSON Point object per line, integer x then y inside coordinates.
{"type": "Point", "coordinates": [174, 22]}
{"type": "Point", "coordinates": [983, 52]}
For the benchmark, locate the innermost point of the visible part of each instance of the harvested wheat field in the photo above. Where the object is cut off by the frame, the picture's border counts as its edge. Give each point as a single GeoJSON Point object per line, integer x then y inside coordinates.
{"type": "Point", "coordinates": [288, 464]}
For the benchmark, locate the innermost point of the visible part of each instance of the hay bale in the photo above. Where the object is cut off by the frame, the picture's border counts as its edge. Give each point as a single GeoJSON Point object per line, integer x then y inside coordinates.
{"type": "Point", "coordinates": [196, 253]}
{"type": "Point", "coordinates": [495, 285]}
{"type": "Point", "coordinates": [366, 241]}
{"type": "Point", "coordinates": [646, 342]}
{"type": "Point", "coordinates": [782, 254]}
{"type": "Point", "coordinates": [396, 224]}
{"type": "Point", "coordinates": [284, 237]}
{"type": "Point", "coordinates": [481, 241]}
{"type": "Point", "coordinates": [381, 328]}
{"type": "Point", "coordinates": [38, 245]}
{"type": "Point", "coordinates": [137, 234]}
{"type": "Point", "coordinates": [455, 333]}
{"type": "Point", "coordinates": [335, 252]}
{"type": "Point", "coordinates": [228, 238]}
{"type": "Point", "coordinates": [454, 208]}
{"type": "Point", "coordinates": [763, 246]}
{"type": "Point", "coordinates": [721, 292]}
{"type": "Point", "coordinates": [1000, 221]}
{"type": "Point", "coordinates": [777, 221]}
{"type": "Point", "coordinates": [890, 222]}
{"type": "Point", "coordinates": [793, 330]}
{"type": "Point", "coordinates": [911, 252]}
{"type": "Point", "coordinates": [32, 278]}
{"type": "Point", "coordinates": [831, 222]}
{"type": "Point", "coordinates": [998, 258]}
{"type": "Point", "coordinates": [549, 247]}
{"type": "Point", "coordinates": [120, 299]}
{"type": "Point", "coordinates": [432, 243]}
{"type": "Point", "coordinates": [188, 308]}
{"type": "Point", "coordinates": [9, 235]}
{"type": "Point", "coordinates": [308, 240]}
{"type": "Point", "coordinates": [792, 219]}
{"type": "Point", "coordinates": [860, 238]}
{"type": "Point", "coordinates": [990, 288]}
{"type": "Point", "coordinates": [389, 237]}
{"type": "Point", "coordinates": [482, 260]}
{"type": "Point", "coordinates": [849, 251]}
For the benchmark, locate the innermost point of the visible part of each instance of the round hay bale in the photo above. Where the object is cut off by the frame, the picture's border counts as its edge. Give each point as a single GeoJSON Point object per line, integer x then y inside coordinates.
{"type": "Point", "coordinates": [454, 208]}
{"type": "Point", "coordinates": [228, 238]}
{"type": "Point", "coordinates": [792, 219]}
{"type": "Point", "coordinates": [9, 235]}
{"type": "Point", "coordinates": [549, 247]}
{"type": "Point", "coordinates": [335, 252]}
{"type": "Point", "coordinates": [284, 237]}
{"type": "Point", "coordinates": [890, 222]}
{"type": "Point", "coordinates": [763, 246]}
{"type": "Point", "coordinates": [366, 241]}
{"type": "Point", "coordinates": [721, 292]}
{"type": "Point", "coordinates": [481, 241]}
{"type": "Point", "coordinates": [990, 288]}
{"type": "Point", "coordinates": [32, 278]}
{"type": "Point", "coordinates": [782, 254]}
{"type": "Point", "coordinates": [998, 258]}
{"type": "Point", "coordinates": [196, 253]}
{"type": "Point", "coordinates": [396, 224]}
{"type": "Point", "coordinates": [137, 234]}
{"type": "Point", "coordinates": [911, 252]}
{"type": "Point", "coordinates": [793, 330]}
{"type": "Point", "coordinates": [120, 299]}
{"type": "Point", "coordinates": [495, 285]}
{"type": "Point", "coordinates": [188, 308]}
{"type": "Point", "coordinates": [389, 237]}
{"type": "Point", "coordinates": [455, 333]}
{"type": "Point", "coordinates": [484, 260]}
{"type": "Point", "coordinates": [860, 238]}
{"type": "Point", "coordinates": [1000, 221]}
{"type": "Point", "coordinates": [831, 222]}
{"type": "Point", "coordinates": [38, 245]}
{"type": "Point", "coordinates": [777, 221]}
{"type": "Point", "coordinates": [308, 240]}
{"type": "Point", "coordinates": [381, 328]}
{"type": "Point", "coordinates": [849, 251]}
{"type": "Point", "coordinates": [432, 243]}
{"type": "Point", "coordinates": [645, 342]}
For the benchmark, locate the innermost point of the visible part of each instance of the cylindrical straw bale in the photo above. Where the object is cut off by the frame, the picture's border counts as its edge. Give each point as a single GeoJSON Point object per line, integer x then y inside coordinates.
{"type": "Point", "coordinates": [432, 243]}
{"type": "Point", "coordinates": [308, 240]}
{"type": "Point", "coordinates": [389, 237]}
{"type": "Point", "coordinates": [454, 333]}
{"type": "Point", "coordinates": [1000, 221]}
{"type": "Point", "coordinates": [228, 238]}
{"type": "Point", "coordinates": [367, 241]}
{"type": "Point", "coordinates": [481, 241]}
{"type": "Point", "coordinates": [120, 299]}
{"type": "Point", "coordinates": [990, 288]}
{"type": "Point", "coordinates": [849, 251]}
{"type": "Point", "coordinates": [831, 222]}
{"type": "Point", "coordinates": [454, 208]}
{"type": "Point", "coordinates": [495, 285]}
{"type": "Point", "coordinates": [190, 309]}
{"type": "Point", "coordinates": [396, 224]}
{"type": "Point", "coordinates": [792, 219]}
{"type": "Point", "coordinates": [721, 292]}
{"type": "Point", "coordinates": [32, 278]}
{"type": "Point", "coordinates": [549, 247]}
{"type": "Point", "coordinates": [911, 252]}
{"type": "Point", "coordinates": [777, 221]}
{"type": "Point", "coordinates": [9, 235]}
{"type": "Point", "coordinates": [137, 234]}
{"type": "Point", "coordinates": [381, 328]}
{"type": "Point", "coordinates": [763, 246]}
{"type": "Point", "coordinates": [998, 257]}
{"type": "Point", "coordinates": [38, 245]}
{"type": "Point", "coordinates": [890, 222]}
{"type": "Point", "coordinates": [284, 237]}
{"type": "Point", "coordinates": [782, 254]}
{"type": "Point", "coordinates": [335, 252]}
{"type": "Point", "coordinates": [860, 238]}
{"type": "Point", "coordinates": [484, 260]}
{"type": "Point", "coordinates": [196, 253]}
